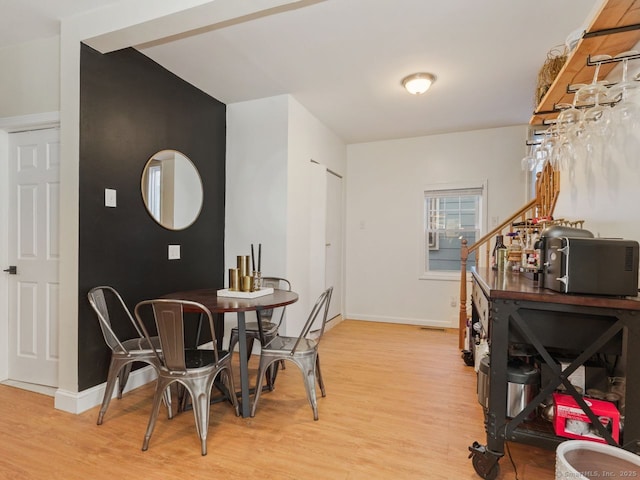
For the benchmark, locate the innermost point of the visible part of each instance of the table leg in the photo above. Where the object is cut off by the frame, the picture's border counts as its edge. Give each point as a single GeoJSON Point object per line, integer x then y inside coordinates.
{"type": "Point", "coordinates": [245, 405]}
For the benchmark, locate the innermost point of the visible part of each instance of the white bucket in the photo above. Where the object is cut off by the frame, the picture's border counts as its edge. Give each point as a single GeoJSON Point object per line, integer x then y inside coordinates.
{"type": "Point", "coordinates": [584, 460]}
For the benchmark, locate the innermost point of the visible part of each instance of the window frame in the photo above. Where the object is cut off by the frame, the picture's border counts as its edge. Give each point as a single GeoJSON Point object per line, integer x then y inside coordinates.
{"type": "Point", "coordinates": [448, 275]}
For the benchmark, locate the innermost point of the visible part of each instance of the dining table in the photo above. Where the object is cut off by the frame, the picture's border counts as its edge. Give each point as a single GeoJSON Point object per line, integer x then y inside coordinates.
{"type": "Point", "coordinates": [218, 304]}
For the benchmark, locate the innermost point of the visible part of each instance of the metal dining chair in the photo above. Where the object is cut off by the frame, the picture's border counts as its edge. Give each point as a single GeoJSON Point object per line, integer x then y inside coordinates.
{"type": "Point", "coordinates": [124, 352]}
{"type": "Point", "coordinates": [195, 369]}
{"type": "Point", "coordinates": [269, 326]}
{"type": "Point", "coordinates": [301, 350]}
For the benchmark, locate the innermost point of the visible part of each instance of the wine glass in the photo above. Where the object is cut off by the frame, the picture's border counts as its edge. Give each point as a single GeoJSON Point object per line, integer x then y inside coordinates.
{"type": "Point", "coordinates": [625, 116]}
{"type": "Point", "coordinates": [570, 129]}
{"type": "Point", "coordinates": [534, 159]}
{"type": "Point", "coordinates": [597, 118]}
{"type": "Point", "coordinates": [549, 146]}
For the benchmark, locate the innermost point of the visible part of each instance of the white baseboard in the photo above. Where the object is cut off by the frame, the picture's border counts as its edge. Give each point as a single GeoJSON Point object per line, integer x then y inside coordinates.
{"type": "Point", "coordinates": [403, 321]}
{"type": "Point", "coordinates": [78, 402]}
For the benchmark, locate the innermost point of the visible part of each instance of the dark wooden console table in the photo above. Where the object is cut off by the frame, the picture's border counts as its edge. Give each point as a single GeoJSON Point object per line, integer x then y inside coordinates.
{"type": "Point", "coordinates": [513, 310]}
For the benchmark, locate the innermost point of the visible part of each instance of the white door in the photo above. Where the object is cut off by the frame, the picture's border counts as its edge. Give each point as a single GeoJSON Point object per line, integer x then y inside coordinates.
{"type": "Point", "coordinates": [333, 235]}
{"type": "Point", "coordinates": [34, 190]}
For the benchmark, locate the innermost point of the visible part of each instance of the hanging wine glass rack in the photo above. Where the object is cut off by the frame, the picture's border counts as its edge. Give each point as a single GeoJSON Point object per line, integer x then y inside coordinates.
{"type": "Point", "coordinates": [616, 28]}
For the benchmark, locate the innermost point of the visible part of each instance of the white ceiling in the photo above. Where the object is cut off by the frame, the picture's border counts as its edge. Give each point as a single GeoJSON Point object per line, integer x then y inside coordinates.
{"type": "Point", "coordinates": [344, 59]}
{"type": "Point", "coordinates": [26, 20]}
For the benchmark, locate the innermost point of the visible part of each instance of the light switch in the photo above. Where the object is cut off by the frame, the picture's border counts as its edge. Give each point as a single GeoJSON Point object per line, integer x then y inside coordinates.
{"type": "Point", "coordinates": [109, 197]}
{"type": "Point", "coordinates": [174, 252]}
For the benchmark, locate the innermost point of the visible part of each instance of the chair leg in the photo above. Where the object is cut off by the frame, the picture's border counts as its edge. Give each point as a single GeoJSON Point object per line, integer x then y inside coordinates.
{"type": "Point", "coordinates": [114, 369]}
{"type": "Point", "coordinates": [228, 375]}
{"type": "Point", "coordinates": [262, 370]}
{"type": "Point", "coordinates": [307, 366]}
{"type": "Point", "coordinates": [183, 397]}
{"type": "Point", "coordinates": [123, 377]}
{"type": "Point", "coordinates": [250, 340]}
{"type": "Point", "coordinates": [272, 374]}
{"type": "Point", "coordinates": [200, 390]}
{"type": "Point", "coordinates": [319, 375]}
{"type": "Point", "coordinates": [232, 341]}
{"type": "Point", "coordinates": [161, 385]}
{"type": "Point", "coordinates": [167, 401]}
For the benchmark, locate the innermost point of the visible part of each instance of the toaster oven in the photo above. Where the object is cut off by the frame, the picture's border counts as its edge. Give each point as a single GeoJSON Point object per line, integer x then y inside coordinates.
{"type": "Point", "coordinates": [600, 266]}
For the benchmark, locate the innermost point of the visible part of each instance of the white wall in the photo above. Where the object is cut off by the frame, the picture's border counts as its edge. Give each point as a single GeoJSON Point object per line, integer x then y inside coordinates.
{"type": "Point", "coordinates": [256, 182]}
{"type": "Point", "coordinates": [309, 140]}
{"type": "Point", "coordinates": [385, 185]}
{"type": "Point", "coordinates": [270, 177]}
{"type": "Point", "coordinates": [256, 185]}
{"type": "Point", "coordinates": [30, 78]}
{"type": "Point", "coordinates": [605, 194]}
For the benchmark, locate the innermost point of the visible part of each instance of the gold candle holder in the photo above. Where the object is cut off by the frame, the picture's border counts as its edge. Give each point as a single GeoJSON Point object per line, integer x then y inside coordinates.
{"type": "Point", "coordinates": [247, 283]}
{"type": "Point", "coordinates": [234, 279]}
{"type": "Point", "coordinates": [243, 265]}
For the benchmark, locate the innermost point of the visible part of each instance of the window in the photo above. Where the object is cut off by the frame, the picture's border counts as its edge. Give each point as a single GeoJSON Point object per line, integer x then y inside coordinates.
{"type": "Point", "coordinates": [154, 183]}
{"type": "Point", "coordinates": [451, 214]}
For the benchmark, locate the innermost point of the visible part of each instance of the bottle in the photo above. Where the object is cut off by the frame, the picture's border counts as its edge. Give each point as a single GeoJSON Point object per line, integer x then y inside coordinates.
{"type": "Point", "coordinates": [514, 252]}
{"type": "Point", "coordinates": [494, 255]}
{"type": "Point", "coordinates": [503, 261]}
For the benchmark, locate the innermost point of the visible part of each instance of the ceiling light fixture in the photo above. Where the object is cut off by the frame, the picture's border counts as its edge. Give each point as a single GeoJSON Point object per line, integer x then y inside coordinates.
{"type": "Point", "coordinates": [418, 83]}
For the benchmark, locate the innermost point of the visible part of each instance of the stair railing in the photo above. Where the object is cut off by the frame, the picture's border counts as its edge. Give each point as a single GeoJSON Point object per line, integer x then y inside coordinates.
{"type": "Point", "coordinates": [543, 205]}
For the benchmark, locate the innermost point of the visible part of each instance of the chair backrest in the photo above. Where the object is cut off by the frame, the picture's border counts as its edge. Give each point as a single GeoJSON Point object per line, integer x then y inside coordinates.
{"type": "Point", "coordinates": [320, 309]}
{"type": "Point", "coordinates": [98, 300]}
{"type": "Point", "coordinates": [169, 320]}
{"type": "Point", "coordinates": [277, 283]}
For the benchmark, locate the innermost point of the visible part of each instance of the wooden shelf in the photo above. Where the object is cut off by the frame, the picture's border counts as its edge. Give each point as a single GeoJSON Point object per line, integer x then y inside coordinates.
{"type": "Point", "coordinates": [613, 14]}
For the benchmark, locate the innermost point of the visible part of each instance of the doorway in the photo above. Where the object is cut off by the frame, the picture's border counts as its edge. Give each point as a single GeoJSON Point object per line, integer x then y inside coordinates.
{"type": "Point", "coordinates": [333, 244]}
{"type": "Point", "coordinates": [31, 282]}
{"type": "Point", "coordinates": [326, 235]}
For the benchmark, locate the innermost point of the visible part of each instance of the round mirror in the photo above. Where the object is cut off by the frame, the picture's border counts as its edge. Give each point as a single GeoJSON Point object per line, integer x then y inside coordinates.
{"type": "Point", "coordinates": [172, 189]}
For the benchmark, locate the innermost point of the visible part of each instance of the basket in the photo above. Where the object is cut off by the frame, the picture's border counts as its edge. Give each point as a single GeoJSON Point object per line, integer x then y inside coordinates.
{"type": "Point", "coordinates": [556, 58]}
{"type": "Point", "coordinates": [585, 460]}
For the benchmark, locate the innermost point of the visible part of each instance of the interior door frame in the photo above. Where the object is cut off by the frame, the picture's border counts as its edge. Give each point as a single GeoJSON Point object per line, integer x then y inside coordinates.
{"type": "Point", "coordinates": [331, 174]}
{"type": "Point", "coordinates": [12, 125]}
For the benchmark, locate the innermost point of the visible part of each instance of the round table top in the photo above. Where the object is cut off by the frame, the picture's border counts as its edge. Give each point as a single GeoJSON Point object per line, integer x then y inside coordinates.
{"type": "Point", "coordinates": [210, 299]}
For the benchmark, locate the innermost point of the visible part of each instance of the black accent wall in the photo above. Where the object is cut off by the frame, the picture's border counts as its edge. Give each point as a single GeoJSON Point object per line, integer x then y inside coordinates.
{"type": "Point", "coordinates": [130, 108]}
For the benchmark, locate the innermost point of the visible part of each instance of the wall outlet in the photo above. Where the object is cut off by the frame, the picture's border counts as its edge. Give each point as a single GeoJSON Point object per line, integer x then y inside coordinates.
{"type": "Point", "coordinates": [174, 252]}
{"type": "Point", "coordinates": [453, 301]}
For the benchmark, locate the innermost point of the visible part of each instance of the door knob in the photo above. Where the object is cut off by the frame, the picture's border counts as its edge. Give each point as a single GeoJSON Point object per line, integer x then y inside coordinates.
{"type": "Point", "coordinates": [12, 270]}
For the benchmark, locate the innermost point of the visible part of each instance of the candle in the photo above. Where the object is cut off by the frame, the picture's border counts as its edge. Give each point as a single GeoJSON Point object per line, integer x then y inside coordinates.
{"type": "Point", "coordinates": [259, 256]}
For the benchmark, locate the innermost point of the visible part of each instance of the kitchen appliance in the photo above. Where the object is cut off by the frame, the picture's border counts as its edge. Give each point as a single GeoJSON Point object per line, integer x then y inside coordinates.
{"type": "Point", "coordinates": [554, 231]}
{"type": "Point", "coordinates": [600, 266]}
{"type": "Point", "coordinates": [483, 382]}
{"type": "Point", "coordinates": [523, 385]}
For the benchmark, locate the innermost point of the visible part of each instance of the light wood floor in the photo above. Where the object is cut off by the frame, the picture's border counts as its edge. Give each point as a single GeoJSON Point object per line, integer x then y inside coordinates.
{"type": "Point", "coordinates": [400, 404]}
